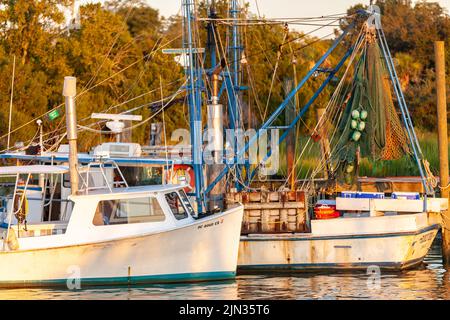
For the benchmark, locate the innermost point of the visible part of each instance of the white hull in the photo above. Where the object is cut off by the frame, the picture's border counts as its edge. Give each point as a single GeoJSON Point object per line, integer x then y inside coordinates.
{"type": "Point", "coordinates": [389, 248]}
{"type": "Point", "coordinates": [206, 249]}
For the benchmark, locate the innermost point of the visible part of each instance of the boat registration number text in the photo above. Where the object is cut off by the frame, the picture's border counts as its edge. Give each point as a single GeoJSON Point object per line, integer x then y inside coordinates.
{"type": "Point", "coordinates": [210, 224]}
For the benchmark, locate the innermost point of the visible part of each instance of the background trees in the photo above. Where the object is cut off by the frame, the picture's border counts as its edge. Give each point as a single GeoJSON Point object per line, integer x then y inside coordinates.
{"type": "Point", "coordinates": [116, 54]}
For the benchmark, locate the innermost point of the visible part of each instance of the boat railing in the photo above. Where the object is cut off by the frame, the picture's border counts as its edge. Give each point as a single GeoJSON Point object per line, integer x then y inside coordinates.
{"type": "Point", "coordinates": [100, 166]}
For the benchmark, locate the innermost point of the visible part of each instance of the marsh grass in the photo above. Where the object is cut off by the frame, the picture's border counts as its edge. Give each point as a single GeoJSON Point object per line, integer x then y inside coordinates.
{"type": "Point", "coordinates": [405, 166]}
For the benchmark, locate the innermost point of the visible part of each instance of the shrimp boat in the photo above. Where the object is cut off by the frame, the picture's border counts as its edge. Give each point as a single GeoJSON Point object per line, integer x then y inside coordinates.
{"type": "Point", "coordinates": [329, 222]}
{"type": "Point", "coordinates": [393, 234]}
{"type": "Point", "coordinates": [334, 221]}
{"type": "Point", "coordinates": [85, 224]}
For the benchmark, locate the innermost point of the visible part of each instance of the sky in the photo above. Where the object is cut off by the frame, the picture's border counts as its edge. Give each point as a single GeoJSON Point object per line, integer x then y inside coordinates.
{"type": "Point", "coordinates": [280, 8]}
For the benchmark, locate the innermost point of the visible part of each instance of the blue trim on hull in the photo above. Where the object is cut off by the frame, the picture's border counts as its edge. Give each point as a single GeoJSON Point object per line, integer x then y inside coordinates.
{"type": "Point", "coordinates": [132, 280]}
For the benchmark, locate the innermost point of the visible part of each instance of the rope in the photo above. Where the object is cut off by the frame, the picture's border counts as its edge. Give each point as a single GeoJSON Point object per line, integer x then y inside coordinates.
{"type": "Point", "coordinates": [431, 179]}
{"type": "Point", "coordinates": [277, 63]}
{"type": "Point", "coordinates": [328, 109]}
{"type": "Point", "coordinates": [136, 125]}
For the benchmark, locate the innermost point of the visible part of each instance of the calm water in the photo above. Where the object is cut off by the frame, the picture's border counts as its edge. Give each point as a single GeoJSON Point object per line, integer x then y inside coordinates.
{"type": "Point", "coordinates": [430, 282]}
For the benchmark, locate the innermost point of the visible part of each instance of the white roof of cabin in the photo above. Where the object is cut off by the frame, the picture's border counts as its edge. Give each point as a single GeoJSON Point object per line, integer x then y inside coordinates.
{"type": "Point", "coordinates": [33, 169]}
{"type": "Point", "coordinates": [130, 191]}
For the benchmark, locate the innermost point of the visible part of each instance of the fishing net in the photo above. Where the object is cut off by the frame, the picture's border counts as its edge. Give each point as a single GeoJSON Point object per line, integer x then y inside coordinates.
{"type": "Point", "coordinates": [370, 126]}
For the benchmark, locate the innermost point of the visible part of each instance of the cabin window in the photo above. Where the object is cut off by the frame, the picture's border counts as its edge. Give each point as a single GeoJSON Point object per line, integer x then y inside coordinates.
{"type": "Point", "coordinates": [125, 211]}
{"type": "Point", "coordinates": [176, 205]}
{"type": "Point", "coordinates": [186, 202]}
{"type": "Point", "coordinates": [142, 175]}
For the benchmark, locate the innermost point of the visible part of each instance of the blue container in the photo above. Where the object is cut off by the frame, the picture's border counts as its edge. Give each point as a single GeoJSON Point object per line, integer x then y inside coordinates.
{"type": "Point", "coordinates": [362, 195]}
{"type": "Point", "coordinates": [348, 194]}
{"type": "Point", "coordinates": [406, 195]}
{"type": "Point", "coordinates": [370, 195]}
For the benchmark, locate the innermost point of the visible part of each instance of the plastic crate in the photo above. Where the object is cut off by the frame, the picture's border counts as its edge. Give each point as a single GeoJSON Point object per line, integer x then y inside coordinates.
{"type": "Point", "coordinates": [362, 195]}
{"type": "Point", "coordinates": [406, 195]}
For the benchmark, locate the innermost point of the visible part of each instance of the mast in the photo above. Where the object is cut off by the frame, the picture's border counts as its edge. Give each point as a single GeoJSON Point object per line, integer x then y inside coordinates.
{"type": "Point", "coordinates": [234, 87]}
{"type": "Point", "coordinates": [194, 87]}
{"type": "Point", "coordinates": [211, 29]}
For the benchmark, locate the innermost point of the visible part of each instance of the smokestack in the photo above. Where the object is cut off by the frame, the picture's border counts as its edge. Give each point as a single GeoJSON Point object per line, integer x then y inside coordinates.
{"type": "Point", "coordinates": [69, 92]}
{"type": "Point", "coordinates": [215, 127]}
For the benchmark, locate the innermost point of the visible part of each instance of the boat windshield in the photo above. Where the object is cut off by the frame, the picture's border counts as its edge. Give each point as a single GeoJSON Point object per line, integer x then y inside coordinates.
{"type": "Point", "coordinates": [176, 205]}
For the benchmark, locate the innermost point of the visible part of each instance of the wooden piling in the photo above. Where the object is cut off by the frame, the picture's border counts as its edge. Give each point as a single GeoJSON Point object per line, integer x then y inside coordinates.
{"type": "Point", "coordinates": [439, 49]}
{"type": "Point", "coordinates": [324, 143]}
{"type": "Point", "coordinates": [290, 114]}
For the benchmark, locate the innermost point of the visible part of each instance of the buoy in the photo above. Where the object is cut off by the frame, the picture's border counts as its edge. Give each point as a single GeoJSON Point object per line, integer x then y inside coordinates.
{"type": "Point", "coordinates": [356, 135]}
{"type": "Point", "coordinates": [361, 125]}
{"type": "Point", "coordinates": [349, 168]}
{"type": "Point", "coordinates": [354, 124]}
{"type": "Point", "coordinates": [363, 115]}
{"type": "Point", "coordinates": [355, 114]}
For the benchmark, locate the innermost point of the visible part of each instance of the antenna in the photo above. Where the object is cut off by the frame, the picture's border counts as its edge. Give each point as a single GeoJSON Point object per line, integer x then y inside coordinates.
{"type": "Point", "coordinates": [116, 124]}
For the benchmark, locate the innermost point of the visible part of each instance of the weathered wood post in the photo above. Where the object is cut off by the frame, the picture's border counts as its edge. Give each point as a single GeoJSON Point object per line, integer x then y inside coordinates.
{"type": "Point", "coordinates": [324, 143]}
{"type": "Point", "coordinates": [443, 142]}
{"type": "Point", "coordinates": [290, 114]}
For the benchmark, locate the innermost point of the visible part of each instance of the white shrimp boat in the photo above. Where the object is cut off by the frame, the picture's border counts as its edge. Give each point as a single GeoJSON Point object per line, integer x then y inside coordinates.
{"type": "Point", "coordinates": [375, 236]}
{"type": "Point", "coordinates": [111, 235]}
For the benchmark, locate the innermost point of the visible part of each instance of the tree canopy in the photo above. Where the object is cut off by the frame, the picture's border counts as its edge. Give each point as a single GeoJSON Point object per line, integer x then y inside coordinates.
{"type": "Point", "coordinates": [116, 55]}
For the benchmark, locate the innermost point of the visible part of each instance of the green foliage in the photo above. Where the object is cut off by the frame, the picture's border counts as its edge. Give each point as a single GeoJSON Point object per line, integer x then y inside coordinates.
{"type": "Point", "coordinates": [411, 30]}
{"type": "Point", "coordinates": [116, 54]}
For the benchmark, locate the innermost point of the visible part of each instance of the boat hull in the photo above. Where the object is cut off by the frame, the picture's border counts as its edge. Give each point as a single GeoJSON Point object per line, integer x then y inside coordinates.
{"type": "Point", "coordinates": [300, 252]}
{"type": "Point", "coordinates": [203, 251]}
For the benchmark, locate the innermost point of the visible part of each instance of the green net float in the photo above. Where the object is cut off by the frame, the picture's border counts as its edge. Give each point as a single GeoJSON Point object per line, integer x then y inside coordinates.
{"type": "Point", "coordinates": [355, 114]}
{"type": "Point", "coordinates": [356, 135]}
{"type": "Point", "coordinates": [354, 124]}
{"type": "Point", "coordinates": [361, 125]}
{"type": "Point", "coordinates": [363, 114]}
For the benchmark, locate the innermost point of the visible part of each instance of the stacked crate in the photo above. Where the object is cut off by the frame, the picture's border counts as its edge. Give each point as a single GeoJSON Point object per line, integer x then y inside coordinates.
{"type": "Point", "coordinates": [272, 211]}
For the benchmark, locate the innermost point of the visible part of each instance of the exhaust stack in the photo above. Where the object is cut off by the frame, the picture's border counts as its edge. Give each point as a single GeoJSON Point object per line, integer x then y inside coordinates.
{"type": "Point", "coordinates": [215, 128]}
{"type": "Point", "coordinates": [69, 92]}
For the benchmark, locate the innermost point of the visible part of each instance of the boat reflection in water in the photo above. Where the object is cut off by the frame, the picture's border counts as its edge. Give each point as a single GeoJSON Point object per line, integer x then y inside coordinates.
{"type": "Point", "coordinates": [431, 281]}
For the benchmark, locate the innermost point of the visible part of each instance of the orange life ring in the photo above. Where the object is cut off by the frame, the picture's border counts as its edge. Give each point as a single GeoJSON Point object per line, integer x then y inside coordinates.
{"type": "Point", "coordinates": [185, 171]}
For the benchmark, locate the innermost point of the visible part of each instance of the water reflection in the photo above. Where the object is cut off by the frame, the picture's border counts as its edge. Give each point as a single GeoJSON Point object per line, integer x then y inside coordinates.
{"type": "Point", "coordinates": [429, 282]}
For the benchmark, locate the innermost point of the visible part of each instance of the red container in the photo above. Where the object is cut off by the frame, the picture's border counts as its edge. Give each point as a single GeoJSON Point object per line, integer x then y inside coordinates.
{"type": "Point", "coordinates": [323, 211]}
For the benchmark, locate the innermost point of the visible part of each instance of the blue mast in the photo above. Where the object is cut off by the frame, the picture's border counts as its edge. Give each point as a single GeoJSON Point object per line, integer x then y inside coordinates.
{"type": "Point", "coordinates": [232, 82]}
{"type": "Point", "coordinates": [194, 87]}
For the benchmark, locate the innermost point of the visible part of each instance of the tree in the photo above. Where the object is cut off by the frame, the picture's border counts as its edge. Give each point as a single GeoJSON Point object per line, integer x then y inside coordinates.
{"type": "Point", "coordinates": [410, 32]}
{"type": "Point", "coordinates": [30, 31]}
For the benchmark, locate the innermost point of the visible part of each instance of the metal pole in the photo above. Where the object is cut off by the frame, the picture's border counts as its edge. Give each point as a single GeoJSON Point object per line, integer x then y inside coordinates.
{"type": "Point", "coordinates": [69, 92]}
{"type": "Point", "coordinates": [234, 103]}
{"type": "Point", "coordinates": [418, 156]}
{"type": "Point", "coordinates": [439, 51]}
{"type": "Point", "coordinates": [194, 106]}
